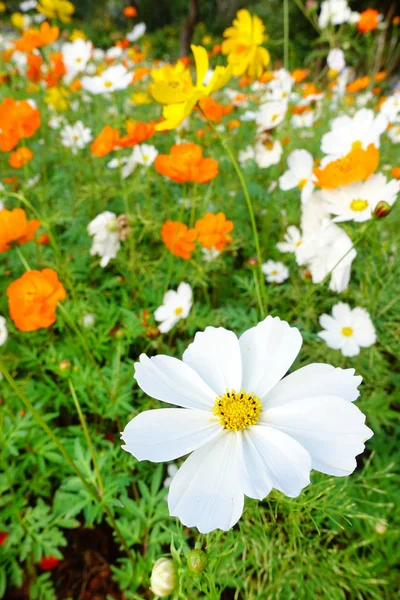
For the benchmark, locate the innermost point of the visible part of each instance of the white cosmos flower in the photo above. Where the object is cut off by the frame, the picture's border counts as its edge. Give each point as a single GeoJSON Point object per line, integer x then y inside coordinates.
{"type": "Point", "coordinates": [364, 128]}
{"type": "Point", "coordinates": [268, 154]}
{"type": "Point", "coordinates": [57, 121]}
{"type": "Point", "coordinates": [210, 254]}
{"type": "Point", "coordinates": [75, 56]}
{"type": "Point", "coordinates": [248, 429]}
{"type": "Point", "coordinates": [75, 136]}
{"type": "Point", "coordinates": [328, 249]}
{"type": "Point", "coordinates": [305, 119]}
{"type": "Point", "coordinates": [292, 240]}
{"type": "Point", "coordinates": [390, 108]}
{"type": "Point", "coordinates": [106, 242]}
{"type": "Point", "coordinates": [334, 12]}
{"type": "Point", "coordinates": [3, 331]}
{"type": "Point", "coordinates": [394, 134]}
{"type": "Point", "coordinates": [28, 5]}
{"type": "Point", "coordinates": [275, 272]}
{"type": "Point", "coordinates": [357, 201]}
{"type": "Point", "coordinates": [145, 154]}
{"type": "Point", "coordinates": [176, 306]}
{"type": "Point", "coordinates": [347, 330]}
{"type": "Point", "coordinates": [313, 214]}
{"type": "Point", "coordinates": [335, 60]}
{"type": "Point", "coordinates": [114, 52]}
{"type": "Point", "coordinates": [246, 155]}
{"type": "Point", "coordinates": [300, 174]}
{"type": "Point", "coordinates": [271, 114]}
{"type": "Point", "coordinates": [112, 79]}
{"type": "Point", "coordinates": [279, 88]}
{"type": "Point", "coordinates": [137, 32]}
{"type": "Point", "coordinates": [88, 320]}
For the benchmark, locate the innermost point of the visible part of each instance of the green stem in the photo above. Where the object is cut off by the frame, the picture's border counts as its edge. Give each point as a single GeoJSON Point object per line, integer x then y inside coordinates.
{"type": "Point", "coordinates": [286, 34]}
{"type": "Point", "coordinates": [39, 419]}
{"type": "Point", "coordinates": [263, 300]}
{"type": "Point", "coordinates": [88, 438]}
{"type": "Point", "coordinates": [22, 259]}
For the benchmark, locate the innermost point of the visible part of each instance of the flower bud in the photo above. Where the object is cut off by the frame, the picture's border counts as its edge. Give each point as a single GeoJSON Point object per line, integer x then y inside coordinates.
{"type": "Point", "coordinates": [163, 577]}
{"type": "Point", "coordinates": [197, 561]}
{"type": "Point", "coordinates": [252, 261]}
{"type": "Point", "coordinates": [64, 365]}
{"type": "Point", "coordinates": [382, 209]}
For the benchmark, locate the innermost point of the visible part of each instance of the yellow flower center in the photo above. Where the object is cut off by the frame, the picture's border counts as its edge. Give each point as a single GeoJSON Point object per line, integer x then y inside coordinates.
{"type": "Point", "coordinates": [108, 84]}
{"type": "Point", "coordinates": [274, 117]}
{"type": "Point", "coordinates": [78, 60]}
{"type": "Point", "coordinates": [347, 331]}
{"type": "Point", "coordinates": [356, 145]}
{"type": "Point", "coordinates": [302, 183]}
{"type": "Point", "coordinates": [358, 205]}
{"type": "Point", "coordinates": [298, 243]}
{"type": "Point", "coordinates": [274, 272]}
{"type": "Point", "coordinates": [236, 411]}
{"type": "Point", "coordinates": [178, 311]}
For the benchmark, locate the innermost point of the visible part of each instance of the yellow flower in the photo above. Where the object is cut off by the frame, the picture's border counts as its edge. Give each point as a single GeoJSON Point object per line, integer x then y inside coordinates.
{"type": "Point", "coordinates": [57, 99]}
{"type": "Point", "coordinates": [180, 95]}
{"type": "Point", "coordinates": [140, 98]}
{"type": "Point", "coordinates": [57, 9]}
{"type": "Point", "coordinates": [18, 20]}
{"type": "Point", "coordinates": [206, 41]}
{"type": "Point", "coordinates": [243, 45]}
{"type": "Point", "coordinates": [2, 7]}
{"type": "Point", "coordinates": [77, 34]}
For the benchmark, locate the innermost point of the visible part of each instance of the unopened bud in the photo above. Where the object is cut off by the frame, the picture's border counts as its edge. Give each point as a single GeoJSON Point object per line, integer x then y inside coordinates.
{"type": "Point", "coordinates": [381, 527]}
{"type": "Point", "coordinates": [163, 577]}
{"type": "Point", "coordinates": [382, 209]}
{"type": "Point", "coordinates": [64, 365]}
{"type": "Point", "coordinates": [197, 561]}
{"type": "Point", "coordinates": [123, 227]}
{"type": "Point", "coordinates": [252, 261]}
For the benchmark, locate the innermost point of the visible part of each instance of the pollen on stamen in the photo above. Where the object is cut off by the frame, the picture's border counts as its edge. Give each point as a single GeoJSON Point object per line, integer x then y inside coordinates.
{"type": "Point", "coordinates": [237, 410]}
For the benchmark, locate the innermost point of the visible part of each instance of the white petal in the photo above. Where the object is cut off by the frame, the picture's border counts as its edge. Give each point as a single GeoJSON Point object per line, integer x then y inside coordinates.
{"type": "Point", "coordinates": [331, 429]}
{"type": "Point", "coordinates": [206, 492]}
{"type": "Point", "coordinates": [168, 433]}
{"type": "Point", "coordinates": [215, 356]}
{"type": "Point", "coordinates": [317, 379]}
{"type": "Point", "coordinates": [287, 181]}
{"type": "Point", "coordinates": [268, 350]}
{"type": "Point", "coordinates": [273, 459]}
{"type": "Point", "coordinates": [171, 380]}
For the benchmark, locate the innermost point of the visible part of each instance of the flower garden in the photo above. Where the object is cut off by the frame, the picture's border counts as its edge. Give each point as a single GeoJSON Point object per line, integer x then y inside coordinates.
{"type": "Point", "coordinates": [199, 324]}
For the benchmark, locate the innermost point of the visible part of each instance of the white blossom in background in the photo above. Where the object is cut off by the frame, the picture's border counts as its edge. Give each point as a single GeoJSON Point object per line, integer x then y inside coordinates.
{"type": "Point", "coordinates": [3, 330]}
{"type": "Point", "coordinates": [275, 272]}
{"type": "Point", "coordinates": [210, 254]}
{"type": "Point", "coordinates": [76, 56]}
{"type": "Point", "coordinates": [246, 155]}
{"type": "Point", "coordinates": [88, 320]}
{"type": "Point", "coordinates": [304, 120]}
{"type": "Point", "coordinates": [271, 114]}
{"type": "Point", "coordinates": [106, 241]}
{"type": "Point", "coordinates": [137, 32]}
{"type": "Point", "coordinates": [28, 5]}
{"type": "Point", "coordinates": [57, 121]}
{"type": "Point", "coordinates": [268, 154]}
{"type": "Point", "coordinates": [176, 306]}
{"type": "Point", "coordinates": [394, 134]}
{"type": "Point", "coordinates": [112, 79]}
{"type": "Point", "coordinates": [75, 136]}
{"type": "Point", "coordinates": [334, 12]}
{"type": "Point", "coordinates": [300, 174]}
{"type": "Point", "coordinates": [335, 60]}
{"type": "Point", "coordinates": [390, 108]}
{"type": "Point", "coordinates": [247, 429]}
{"type": "Point", "coordinates": [292, 240]}
{"type": "Point", "coordinates": [347, 330]}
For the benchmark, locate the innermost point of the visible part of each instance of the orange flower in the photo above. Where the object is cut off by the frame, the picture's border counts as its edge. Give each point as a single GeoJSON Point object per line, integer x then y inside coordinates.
{"type": "Point", "coordinates": [18, 119]}
{"type": "Point", "coordinates": [369, 20]}
{"type": "Point", "coordinates": [212, 231]}
{"type": "Point", "coordinates": [36, 38]}
{"type": "Point", "coordinates": [358, 165]}
{"type": "Point", "coordinates": [34, 73]}
{"type": "Point", "coordinates": [140, 72]}
{"type": "Point", "coordinates": [43, 239]}
{"type": "Point", "coordinates": [14, 227]}
{"type": "Point", "coordinates": [266, 77]}
{"type": "Point", "coordinates": [233, 124]}
{"type": "Point", "coordinates": [395, 172]}
{"type": "Point", "coordinates": [33, 298]}
{"type": "Point", "coordinates": [20, 157]}
{"type": "Point", "coordinates": [309, 89]}
{"type": "Point", "coordinates": [300, 74]}
{"type": "Point", "coordinates": [216, 50]}
{"type": "Point", "coordinates": [57, 69]}
{"type": "Point", "coordinates": [130, 11]}
{"type": "Point", "coordinates": [214, 111]}
{"type": "Point", "coordinates": [185, 162]}
{"type": "Point", "coordinates": [358, 84]}
{"type": "Point", "coordinates": [396, 20]}
{"type": "Point", "coordinates": [138, 132]}
{"type": "Point", "coordinates": [178, 238]}
{"type": "Point", "coordinates": [105, 142]}
{"type": "Point", "coordinates": [381, 76]}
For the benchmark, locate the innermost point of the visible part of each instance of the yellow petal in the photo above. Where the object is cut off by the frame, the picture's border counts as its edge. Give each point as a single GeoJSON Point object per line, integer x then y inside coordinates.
{"type": "Point", "coordinates": [201, 60]}
{"type": "Point", "coordinates": [167, 94]}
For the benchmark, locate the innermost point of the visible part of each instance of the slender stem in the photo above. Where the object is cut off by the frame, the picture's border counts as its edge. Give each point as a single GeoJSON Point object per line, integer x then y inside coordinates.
{"type": "Point", "coordinates": [286, 34]}
{"type": "Point", "coordinates": [263, 303]}
{"type": "Point", "coordinates": [88, 438]}
{"type": "Point", "coordinates": [39, 419]}
{"type": "Point", "coordinates": [22, 259]}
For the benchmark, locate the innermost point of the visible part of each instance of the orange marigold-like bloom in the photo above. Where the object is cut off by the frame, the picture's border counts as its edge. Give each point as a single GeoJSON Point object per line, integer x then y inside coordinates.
{"type": "Point", "coordinates": [105, 142]}
{"type": "Point", "coordinates": [20, 157]}
{"type": "Point", "coordinates": [358, 165]}
{"type": "Point", "coordinates": [130, 11]}
{"type": "Point", "coordinates": [381, 76]}
{"type": "Point", "coordinates": [18, 120]}
{"type": "Point", "coordinates": [34, 72]}
{"type": "Point", "coordinates": [233, 124]}
{"type": "Point", "coordinates": [140, 73]}
{"type": "Point", "coordinates": [36, 38]}
{"type": "Point", "coordinates": [33, 298]}
{"type": "Point", "coordinates": [214, 111]}
{"type": "Point", "coordinates": [212, 231]}
{"type": "Point", "coordinates": [178, 238]}
{"type": "Point", "coordinates": [358, 84]}
{"type": "Point", "coordinates": [185, 162]}
{"type": "Point", "coordinates": [300, 75]}
{"type": "Point", "coordinates": [57, 70]}
{"type": "Point", "coordinates": [216, 49]}
{"type": "Point", "coordinates": [309, 89]}
{"type": "Point", "coordinates": [15, 228]}
{"type": "Point", "coordinates": [396, 20]}
{"type": "Point", "coordinates": [369, 20]}
{"type": "Point", "coordinates": [43, 239]}
{"type": "Point", "coordinates": [395, 172]}
{"type": "Point", "coordinates": [138, 132]}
